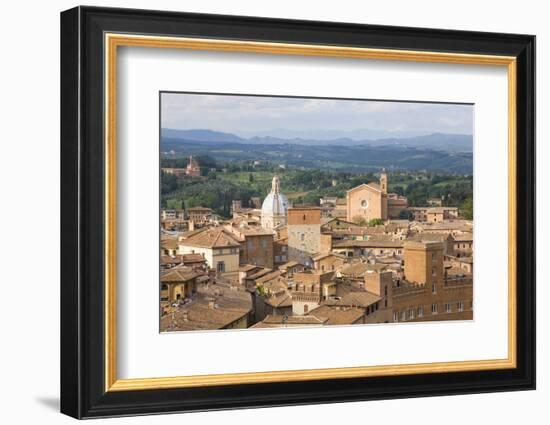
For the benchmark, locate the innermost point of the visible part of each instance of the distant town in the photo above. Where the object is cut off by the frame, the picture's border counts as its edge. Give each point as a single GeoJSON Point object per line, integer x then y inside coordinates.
{"type": "Point", "coordinates": [260, 244]}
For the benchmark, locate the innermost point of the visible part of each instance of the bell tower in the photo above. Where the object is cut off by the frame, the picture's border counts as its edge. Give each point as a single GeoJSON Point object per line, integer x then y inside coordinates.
{"type": "Point", "coordinates": [384, 181]}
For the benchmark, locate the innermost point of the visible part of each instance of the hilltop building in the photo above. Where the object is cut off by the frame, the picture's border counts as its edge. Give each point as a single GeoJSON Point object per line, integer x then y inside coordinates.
{"type": "Point", "coordinates": [274, 207]}
{"type": "Point", "coordinates": [193, 169]}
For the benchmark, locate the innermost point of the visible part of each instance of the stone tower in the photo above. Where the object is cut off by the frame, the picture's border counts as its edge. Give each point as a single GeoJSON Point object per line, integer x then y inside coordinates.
{"type": "Point", "coordinates": [384, 181]}
{"type": "Point", "coordinates": [304, 234]}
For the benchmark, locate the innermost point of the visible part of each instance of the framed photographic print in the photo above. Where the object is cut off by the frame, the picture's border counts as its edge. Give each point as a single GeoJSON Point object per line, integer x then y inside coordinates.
{"type": "Point", "coordinates": [261, 212]}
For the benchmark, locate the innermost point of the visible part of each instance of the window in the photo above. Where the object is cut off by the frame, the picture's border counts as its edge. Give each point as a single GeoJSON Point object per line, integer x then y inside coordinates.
{"type": "Point", "coordinates": [302, 237]}
{"type": "Point", "coordinates": [434, 271]}
{"type": "Point", "coordinates": [411, 313]}
{"type": "Point", "coordinates": [403, 315]}
{"type": "Point", "coordinates": [434, 256]}
{"type": "Point", "coordinates": [386, 290]}
{"type": "Point", "coordinates": [420, 311]}
{"type": "Point", "coordinates": [434, 289]}
{"type": "Point", "coordinates": [264, 244]}
{"type": "Point", "coordinates": [395, 316]}
{"type": "Point", "coordinates": [434, 308]}
{"type": "Point", "coordinates": [385, 303]}
{"type": "Point", "coordinates": [460, 306]}
{"type": "Point", "coordinates": [164, 287]}
{"type": "Point", "coordinates": [306, 307]}
{"type": "Point", "coordinates": [220, 267]}
{"type": "Point", "coordinates": [448, 308]}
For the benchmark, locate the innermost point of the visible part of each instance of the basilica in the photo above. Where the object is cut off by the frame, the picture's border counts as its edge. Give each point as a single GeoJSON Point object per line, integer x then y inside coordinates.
{"type": "Point", "coordinates": [274, 207]}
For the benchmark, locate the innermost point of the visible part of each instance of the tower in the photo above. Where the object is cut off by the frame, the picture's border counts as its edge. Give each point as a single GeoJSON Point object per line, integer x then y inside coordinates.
{"type": "Point", "coordinates": [304, 234]}
{"type": "Point", "coordinates": [384, 181]}
{"type": "Point", "coordinates": [424, 262]}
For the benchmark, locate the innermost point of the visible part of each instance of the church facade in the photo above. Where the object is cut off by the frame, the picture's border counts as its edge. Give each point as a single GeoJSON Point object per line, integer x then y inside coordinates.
{"type": "Point", "coordinates": [368, 201]}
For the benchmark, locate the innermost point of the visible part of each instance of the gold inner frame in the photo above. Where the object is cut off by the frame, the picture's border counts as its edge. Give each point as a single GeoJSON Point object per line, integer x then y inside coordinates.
{"type": "Point", "coordinates": [113, 41]}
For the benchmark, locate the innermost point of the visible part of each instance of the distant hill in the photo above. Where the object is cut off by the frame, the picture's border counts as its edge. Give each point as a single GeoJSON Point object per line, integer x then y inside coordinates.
{"type": "Point", "coordinates": [200, 135]}
{"type": "Point", "coordinates": [342, 157]}
{"type": "Point", "coordinates": [437, 141]}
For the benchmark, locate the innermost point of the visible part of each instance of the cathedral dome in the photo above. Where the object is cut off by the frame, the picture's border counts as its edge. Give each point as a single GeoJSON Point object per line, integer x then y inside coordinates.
{"type": "Point", "coordinates": [275, 206]}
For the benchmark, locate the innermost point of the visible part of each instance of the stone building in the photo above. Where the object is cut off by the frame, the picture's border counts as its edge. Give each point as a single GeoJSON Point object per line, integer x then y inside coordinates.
{"type": "Point", "coordinates": [274, 207]}
{"type": "Point", "coordinates": [199, 215]}
{"type": "Point", "coordinates": [328, 262]}
{"type": "Point", "coordinates": [193, 169]}
{"type": "Point", "coordinates": [433, 214]}
{"type": "Point", "coordinates": [256, 244]}
{"type": "Point", "coordinates": [372, 200]}
{"type": "Point", "coordinates": [309, 288]}
{"type": "Point", "coordinates": [427, 292]}
{"type": "Point", "coordinates": [304, 234]}
{"type": "Point", "coordinates": [178, 172]}
{"type": "Point", "coordinates": [178, 283]}
{"type": "Point", "coordinates": [219, 248]}
{"type": "Point", "coordinates": [463, 245]}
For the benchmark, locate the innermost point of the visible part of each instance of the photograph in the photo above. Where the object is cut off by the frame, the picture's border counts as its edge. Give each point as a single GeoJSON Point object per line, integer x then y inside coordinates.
{"type": "Point", "coordinates": [280, 211]}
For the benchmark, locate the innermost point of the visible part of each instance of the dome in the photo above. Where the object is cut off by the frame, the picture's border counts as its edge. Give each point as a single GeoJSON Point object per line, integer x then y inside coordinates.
{"type": "Point", "coordinates": [274, 207]}
{"type": "Point", "coordinates": [275, 203]}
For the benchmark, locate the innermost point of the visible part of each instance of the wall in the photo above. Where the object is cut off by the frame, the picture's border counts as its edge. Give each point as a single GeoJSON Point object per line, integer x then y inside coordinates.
{"type": "Point", "coordinates": [30, 102]}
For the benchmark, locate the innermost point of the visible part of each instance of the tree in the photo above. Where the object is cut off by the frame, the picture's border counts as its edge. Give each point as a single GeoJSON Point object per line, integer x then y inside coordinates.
{"type": "Point", "coordinates": [250, 178]}
{"type": "Point", "coordinates": [467, 209]}
{"type": "Point", "coordinates": [174, 204]}
{"type": "Point", "coordinates": [375, 222]}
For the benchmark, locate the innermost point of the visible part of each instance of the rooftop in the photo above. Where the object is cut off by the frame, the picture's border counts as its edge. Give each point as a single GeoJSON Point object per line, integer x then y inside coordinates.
{"type": "Point", "coordinates": [337, 315]}
{"type": "Point", "coordinates": [179, 274]}
{"type": "Point", "coordinates": [213, 237]}
{"type": "Point", "coordinates": [214, 307]}
{"type": "Point", "coordinates": [282, 321]}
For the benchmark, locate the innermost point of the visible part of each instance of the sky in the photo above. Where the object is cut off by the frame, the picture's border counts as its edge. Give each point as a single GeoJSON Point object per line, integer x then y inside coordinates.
{"type": "Point", "coordinates": [248, 116]}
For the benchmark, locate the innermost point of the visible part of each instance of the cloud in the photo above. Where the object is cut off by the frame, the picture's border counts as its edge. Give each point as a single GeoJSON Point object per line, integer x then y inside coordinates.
{"type": "Point", "coordinates": [249, 114]}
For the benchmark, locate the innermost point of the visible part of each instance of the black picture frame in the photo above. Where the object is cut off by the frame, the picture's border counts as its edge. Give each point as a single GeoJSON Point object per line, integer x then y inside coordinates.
{"type": "Point", "coordinates": [83, 392]}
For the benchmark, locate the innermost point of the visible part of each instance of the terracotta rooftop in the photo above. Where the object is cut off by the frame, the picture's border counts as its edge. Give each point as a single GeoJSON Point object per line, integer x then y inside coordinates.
{"type": "Point", "coordinates": [281, 321]}
{"type": "Point", "coordinates": [352, 296]}
{"type": "Point", "coordinates": [337, 315]}
{"type": "Point", "coordinates": [367, 244]}
{"type": "Point", "coordinates": [179, 274]}
{"type": "Point", "coordinates": [213, 237]}
{"type": "Point", "coordinates": [214, 307]}
{"type": "Point", "coordinates": [283, 299]}
{"type": "Point", "coordinates": [327, 254]}
{"type": "Point", "coordinates": [169, 242]}
{"type": "Point", "coordinates": [354, 269]}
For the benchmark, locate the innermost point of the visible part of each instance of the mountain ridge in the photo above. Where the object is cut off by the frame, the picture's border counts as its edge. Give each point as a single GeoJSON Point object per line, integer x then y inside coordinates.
{"type": "Point", "coordinates": [439, 141]}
